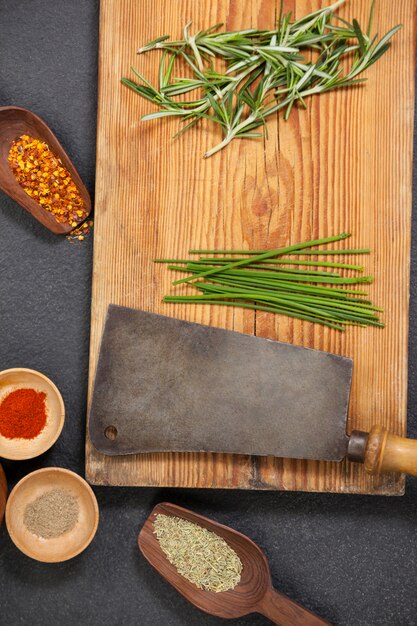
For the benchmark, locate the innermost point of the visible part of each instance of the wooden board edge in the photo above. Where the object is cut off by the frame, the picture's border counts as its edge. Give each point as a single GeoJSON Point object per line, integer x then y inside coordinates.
{"type": "Point", "coordinates": [98, 475]}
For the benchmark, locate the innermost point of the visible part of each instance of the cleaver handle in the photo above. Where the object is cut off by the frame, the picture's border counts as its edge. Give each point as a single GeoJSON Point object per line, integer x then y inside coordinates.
{"type": "Point", "coordinates": [383, 451]}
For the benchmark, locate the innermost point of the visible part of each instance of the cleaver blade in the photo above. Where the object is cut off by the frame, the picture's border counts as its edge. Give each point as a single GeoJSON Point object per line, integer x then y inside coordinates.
{"type": "Point", "coordinates": [164, 384]}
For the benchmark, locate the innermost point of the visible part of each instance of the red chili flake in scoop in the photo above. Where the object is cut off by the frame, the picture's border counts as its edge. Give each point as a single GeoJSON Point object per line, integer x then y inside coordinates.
{"type": "Point", "coordinates": [23, 414]}
{"type": "Point", "coordinates": [46, 180]}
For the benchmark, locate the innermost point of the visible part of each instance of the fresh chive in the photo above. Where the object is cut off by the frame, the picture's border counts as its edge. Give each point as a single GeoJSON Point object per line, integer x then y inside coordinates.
{"type": "Point", "coordinates": [266, 70]}
{"type": "Point", "coordinates": [268, 270]}
{"type": "Point", "coordinates": [255, 307]}
{"type": "Point", "coordinates": [348, 305]}
{"type": "Point", "coordinates": [312, 252]}
{"type": "Point", "coordinates": [345, 266]}
{"type": "Point", "coordinates": [269, 254]}
{"type": "Point", "coordinates": [269, 262]}
{"type": "Point", "coordinates": [258, 282]}
{"type": "Point", "coordinates": [286, 285]}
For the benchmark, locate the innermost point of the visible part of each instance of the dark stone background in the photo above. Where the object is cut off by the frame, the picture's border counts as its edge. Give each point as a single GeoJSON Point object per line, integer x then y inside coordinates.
{"type": "Point", "coordinates": [350, 558]}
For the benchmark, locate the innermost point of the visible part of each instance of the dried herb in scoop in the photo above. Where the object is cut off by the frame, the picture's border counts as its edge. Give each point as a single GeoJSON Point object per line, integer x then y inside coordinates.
{"type": "Point", "coordinates": [237, 79]}
{"type": "Point", "coordinates": [198, 554]}
{"type": "Point", "coordinates": [272, 280]}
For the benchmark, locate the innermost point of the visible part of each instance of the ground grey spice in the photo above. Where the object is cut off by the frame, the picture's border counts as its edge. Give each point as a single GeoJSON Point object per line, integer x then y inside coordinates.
{"type": "Point", "coordinates": [52, 514]}
{"type": "Point", "coordinates": [198, 554]}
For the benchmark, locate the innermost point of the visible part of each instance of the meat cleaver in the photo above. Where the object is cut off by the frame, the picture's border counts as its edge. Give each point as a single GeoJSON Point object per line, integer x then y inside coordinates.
{"type": "Point", "coordinates": [164, 384]}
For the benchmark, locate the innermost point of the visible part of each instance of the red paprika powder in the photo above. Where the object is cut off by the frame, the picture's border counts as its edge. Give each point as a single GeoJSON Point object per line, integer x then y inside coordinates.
{"type": "Point", "coordinates": [23, 414]}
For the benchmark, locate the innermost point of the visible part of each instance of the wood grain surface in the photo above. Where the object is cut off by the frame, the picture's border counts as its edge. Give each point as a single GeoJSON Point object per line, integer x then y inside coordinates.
{"type": "Point", "coordinates": [3, 493]}
{"type": "Point", "coordinates": [344, 164]}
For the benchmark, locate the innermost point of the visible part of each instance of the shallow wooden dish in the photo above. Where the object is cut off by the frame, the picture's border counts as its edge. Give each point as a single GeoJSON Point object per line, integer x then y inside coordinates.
{"type": "Point", "coordinates": [19, 449]}
{"type": "Point", "coordinates": [70, 543]}
{"type": "Point", "coordinates": [3, 493]}
{"type": "Point", "coordinates": [253, 594]}
{"type": "Point", "coordinates": [14, 122]}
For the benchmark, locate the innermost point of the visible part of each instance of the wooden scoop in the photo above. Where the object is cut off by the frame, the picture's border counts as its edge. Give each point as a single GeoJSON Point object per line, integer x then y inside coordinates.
{"type": "Point", "coordinates": [14, 122]}
{"type": "Point", "coordinates": [253, 594]}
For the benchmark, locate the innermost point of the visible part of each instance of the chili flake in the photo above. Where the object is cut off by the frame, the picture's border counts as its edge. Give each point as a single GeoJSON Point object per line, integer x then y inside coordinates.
{"type": "Point", "coordinates": [45, 179]}
{"type": "Point", "coordinates": [79, 233]}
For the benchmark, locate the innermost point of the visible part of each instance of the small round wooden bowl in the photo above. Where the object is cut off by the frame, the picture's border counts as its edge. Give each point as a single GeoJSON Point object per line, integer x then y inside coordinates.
{"type": "Point", "coordinates": [19, 449]}
{"type": "Point", "coordinates": [69, 544]}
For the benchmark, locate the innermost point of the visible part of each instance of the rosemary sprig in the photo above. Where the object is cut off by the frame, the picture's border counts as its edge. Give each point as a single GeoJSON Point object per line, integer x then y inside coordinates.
{"type": "Point", "coordinates": [266, 70]}
{"type": "Point", "coordinates": [258, 282]}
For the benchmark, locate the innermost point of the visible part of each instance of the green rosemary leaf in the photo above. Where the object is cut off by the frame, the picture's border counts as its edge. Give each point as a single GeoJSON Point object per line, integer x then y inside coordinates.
{"type": "Point", "coordinates": [371, 15]}
{"type": "Point", "coordinates": [377, 55]}
{"type": "Point", "coordinates": [359, 35]}
{"type": "Point", "coordinates": [153, 44]}
{"type": "Point", "coordinates": [145, 92]}
{"type": "Point", "coordinates": [251, 135]}
{"type": "Point", "coordinates": [187, 126]}
{"type": "Point", "coordinates": [266, 70]}
{"type": "Point", "coordinates": [143, 79]}
{"type": "Point", "coordinates": [165, 78]}
{"type": "Point", "coordinates": [159, 114]}
{"type": "Point", "coordinates": [388, 36]}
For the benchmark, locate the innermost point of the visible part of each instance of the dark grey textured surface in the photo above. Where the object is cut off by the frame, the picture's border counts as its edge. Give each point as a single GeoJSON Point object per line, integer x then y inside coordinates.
{"type": "Point", "coordinates": [209, 396]}
{"type": "Point", "coordinates": [350, 558]}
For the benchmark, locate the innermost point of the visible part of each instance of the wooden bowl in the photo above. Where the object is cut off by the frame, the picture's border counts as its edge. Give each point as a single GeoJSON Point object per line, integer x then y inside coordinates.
{"type": "Point", "coordinates": [19, 449]}
{"type": "Point", "coordinates": [3, 493]}
{"type": "Point", "coordinates": [14, 122]}
{"type": "Point", "coordinates": [70, 543]}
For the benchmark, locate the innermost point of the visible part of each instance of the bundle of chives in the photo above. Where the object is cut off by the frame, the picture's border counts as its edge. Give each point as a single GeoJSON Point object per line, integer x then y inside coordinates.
{"type": "Point", "coordinates": [261, 280]}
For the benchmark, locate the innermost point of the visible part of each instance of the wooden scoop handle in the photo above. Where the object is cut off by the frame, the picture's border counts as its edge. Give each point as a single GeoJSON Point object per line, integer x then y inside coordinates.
{"type": "Point", "coordinates": [283, 611]}
{"type": "Point", "coordinates": [386, 452]}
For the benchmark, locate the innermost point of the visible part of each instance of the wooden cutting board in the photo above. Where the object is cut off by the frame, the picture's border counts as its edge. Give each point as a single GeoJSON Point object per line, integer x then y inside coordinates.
{"type": "Point", "coordinates": [344, 164]}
